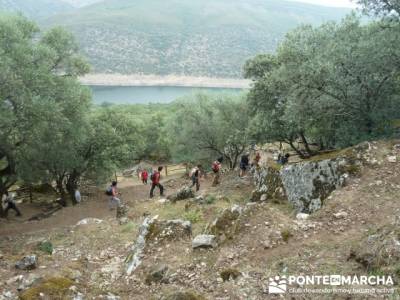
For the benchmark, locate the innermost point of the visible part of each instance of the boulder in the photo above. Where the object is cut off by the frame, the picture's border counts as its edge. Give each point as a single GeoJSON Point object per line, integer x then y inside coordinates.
{"type": "Point", "coordinates": [27, 263]}
{"type": "Point", "coordinates": [183, 193]}
{"type": "Point", "coordinates": [302, 216]}
{"type": "Point", "coordinates": [268, 184]}
{"type": "Point", "coordinates": [89, 221]}
{"type": "Point", "coordinates": [156, 230]}
{"type": "Point", "coordinates": [157, 274]}
{"type": "Point", "coordinates": [134, 258]}
{"type": "Point", "coordinates": [341, 215]}
{"type": "Point", "coordinates": [305, 185]}
{"type": "Point", "coordinates": [226, 225]}
{"type": "Point", "coordinates": [169, 230]}
{"type": "Point", "coordinates": [204, 241]}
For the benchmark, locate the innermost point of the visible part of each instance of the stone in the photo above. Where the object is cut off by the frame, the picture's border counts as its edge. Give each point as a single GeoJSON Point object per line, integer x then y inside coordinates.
{"type": "Point", "coordinates": [157, 274]}
{"type": "Point", "coordinates": [302, 216]}
{"type": "Point", "coordinates": [264, 197]}
{"type": "Point", "coordinates": [112, 297]}
{"type": "Point", "coordinates": [170, 230]}
{"type": "Point", "coordinates": [134, 258]}
{"type": "Point", "coordinates": [78, 296]}
{"type": "Point", "coordinates": [341, 215]}
{"type": "Point", "coordinates": [8, 295]}
{"type": "Point", "coordinates": [204, 241]}
{"type": "Point", "coordinates": [392, 159]}
{"type": "Point", "coordinates": [123, 221]}
{"type": "Point", "coordinates": [163, 201]}
{"type": "Point", "coordinates": [226, 223]}
{"type": "Point", "coordinates": [89, 221]}
{"type": "Point", "coordinates": [27, 263]}
{"type": "Point", "coordinates": [183, 193]}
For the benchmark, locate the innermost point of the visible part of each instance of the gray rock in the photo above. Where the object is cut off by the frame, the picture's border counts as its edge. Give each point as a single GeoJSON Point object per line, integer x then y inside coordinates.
{"type": "Point", "coordinates": [134, 258]}
{"type": "Point", "coordinates": [78, 296]}
{"type": "Point", "coordinates": [302, 216]}
{"type": "Point", "coordinates": [27, 263]}
{"type": "Point", "coordinates": [157, 274]}
{"type": "Point", "coordinates": [305, 185]}
{"type": "Point", "coordinates": [8, 295]}
{"type": "Point", "coordinates": [341, 215]}
{"type": "Point", "coordinates": [123, 221]}
{"type": "Point", "coordinates": [204, 241]}
{"type": "Point", "coordinates": [112, 297]}
{"type": "Point", "coordinates": [89, 221]}
{"type": "Point", "coordinates": [183, 193]}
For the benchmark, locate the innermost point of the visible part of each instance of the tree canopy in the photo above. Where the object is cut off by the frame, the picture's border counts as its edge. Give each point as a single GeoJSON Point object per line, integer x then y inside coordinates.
{"type": "Point", "coordinates": [331, 86]}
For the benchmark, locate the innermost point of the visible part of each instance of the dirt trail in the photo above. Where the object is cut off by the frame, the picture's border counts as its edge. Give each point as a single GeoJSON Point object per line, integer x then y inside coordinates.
{"type": "Point", "coordinates": [96, 206]}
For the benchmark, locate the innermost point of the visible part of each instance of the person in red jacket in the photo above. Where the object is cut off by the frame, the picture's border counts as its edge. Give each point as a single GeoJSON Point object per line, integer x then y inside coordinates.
{"type": "Point", "coordinates": [155, 182]}
{"type": "Point", "coordinates": [144, 176]}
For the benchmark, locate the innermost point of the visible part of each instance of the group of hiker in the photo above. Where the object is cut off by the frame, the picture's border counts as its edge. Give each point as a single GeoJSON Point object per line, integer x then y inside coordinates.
{"type": "Point", "coordinates": [155, 177]}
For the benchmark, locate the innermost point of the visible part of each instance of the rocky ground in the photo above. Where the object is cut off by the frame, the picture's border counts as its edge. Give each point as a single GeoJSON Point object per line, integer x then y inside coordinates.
{"type": "Point", "coordinates": [241, 244]}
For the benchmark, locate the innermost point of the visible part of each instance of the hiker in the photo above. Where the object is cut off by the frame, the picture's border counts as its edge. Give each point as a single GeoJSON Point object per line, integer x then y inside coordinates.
{"type": "Point", "coordinates": [113, 192]}
{"type": "Point", "coordinates": [144, 176]}
{"type": "Point", "coordinates": [9, 200]}
{"type": "Point", "coordinates": [216, 167]}
{"type": "Point", "coordinates": [257, 159]}
{"type": "Point", "coordinates": [283, 159]}
{"type": "Point", "coordinates": [155, 182]}
{"type": "Point", "coordinates": [195, 176]}
{"type": "Point", "coordinates": [244, 164]}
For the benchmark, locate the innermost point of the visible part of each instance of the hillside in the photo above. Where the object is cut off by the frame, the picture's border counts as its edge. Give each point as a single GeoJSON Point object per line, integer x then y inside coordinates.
{"type": "Point", "coordinates": [35, 8]}
{"type": "Point", "coordinates": [354, 233]}
{"type": "Point", "coordinates": [197, 38]}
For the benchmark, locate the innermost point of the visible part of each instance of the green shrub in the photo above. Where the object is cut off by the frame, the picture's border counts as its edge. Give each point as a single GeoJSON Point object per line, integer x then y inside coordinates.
{"type": "Point", "coordinates": [46, 247]}
{"type": "Point", "coordinates": [286, 234]}
{"type": "Point", "coordinates": [210, 199]}
{"type": "Point", "coordinates": [193, 216]}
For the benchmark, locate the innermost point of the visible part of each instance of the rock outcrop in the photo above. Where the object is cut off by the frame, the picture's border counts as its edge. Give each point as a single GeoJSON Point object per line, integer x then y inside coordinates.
{"type": "Point", "coordinates": [183, 193]}
{"type": "Point", "coordinates": [204, 241]}
{"type": "Point", "coordinates": [154, 230]}
{"type": "Point", "coordinates": [27, 263]}
{"type": "Point", "coordinates": [305, 185]}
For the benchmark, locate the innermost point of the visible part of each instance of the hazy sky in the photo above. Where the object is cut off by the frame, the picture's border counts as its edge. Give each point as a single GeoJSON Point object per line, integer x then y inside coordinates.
{"type": "Point", "coordinates": [340, 3]}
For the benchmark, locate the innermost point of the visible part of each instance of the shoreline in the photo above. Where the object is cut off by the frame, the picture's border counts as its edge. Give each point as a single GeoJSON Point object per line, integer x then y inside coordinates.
{"type": "Point", "coordinates": [169, 80]}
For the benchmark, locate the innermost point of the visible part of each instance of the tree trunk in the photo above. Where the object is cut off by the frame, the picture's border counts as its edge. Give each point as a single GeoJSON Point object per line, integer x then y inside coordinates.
{"type": "Point", "coordinates": [61, 191]}
{"type": "Point", "coordinates": [306, 145]}
{"type": "Point", "coordinates": [72, 185]}
{"type": "Point", "coordinates": [301, 154]}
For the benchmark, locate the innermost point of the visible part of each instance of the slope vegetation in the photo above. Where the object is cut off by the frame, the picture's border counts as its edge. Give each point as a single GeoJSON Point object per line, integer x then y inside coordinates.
{"type": "Point", "coordinates": [198, 38]}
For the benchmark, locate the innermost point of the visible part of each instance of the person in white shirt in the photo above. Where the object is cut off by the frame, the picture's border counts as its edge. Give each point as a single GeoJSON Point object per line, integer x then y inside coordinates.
{"type": "Point", "coordinates": [9, 200]}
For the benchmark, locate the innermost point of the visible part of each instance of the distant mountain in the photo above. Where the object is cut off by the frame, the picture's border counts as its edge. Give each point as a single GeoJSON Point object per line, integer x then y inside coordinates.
{"type": "Point", "coordinates": [35, 8]}
{"type": "Point", "coordinates": [81, 3]}
{"type": "Point", "coordinates": [184, 37]}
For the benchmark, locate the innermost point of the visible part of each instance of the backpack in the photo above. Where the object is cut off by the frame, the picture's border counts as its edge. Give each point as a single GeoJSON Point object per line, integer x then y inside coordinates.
{"type": "Point", "coordinates": [152, 176]}
{"type": "Point", "coordinates": [109, 191]}
{"type": "Point", "coordinates": [215, 167]}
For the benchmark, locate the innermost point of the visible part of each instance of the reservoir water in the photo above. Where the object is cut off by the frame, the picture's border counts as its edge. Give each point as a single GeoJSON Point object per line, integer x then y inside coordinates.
{"type": "Point", "coordinates": [149, 94]}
